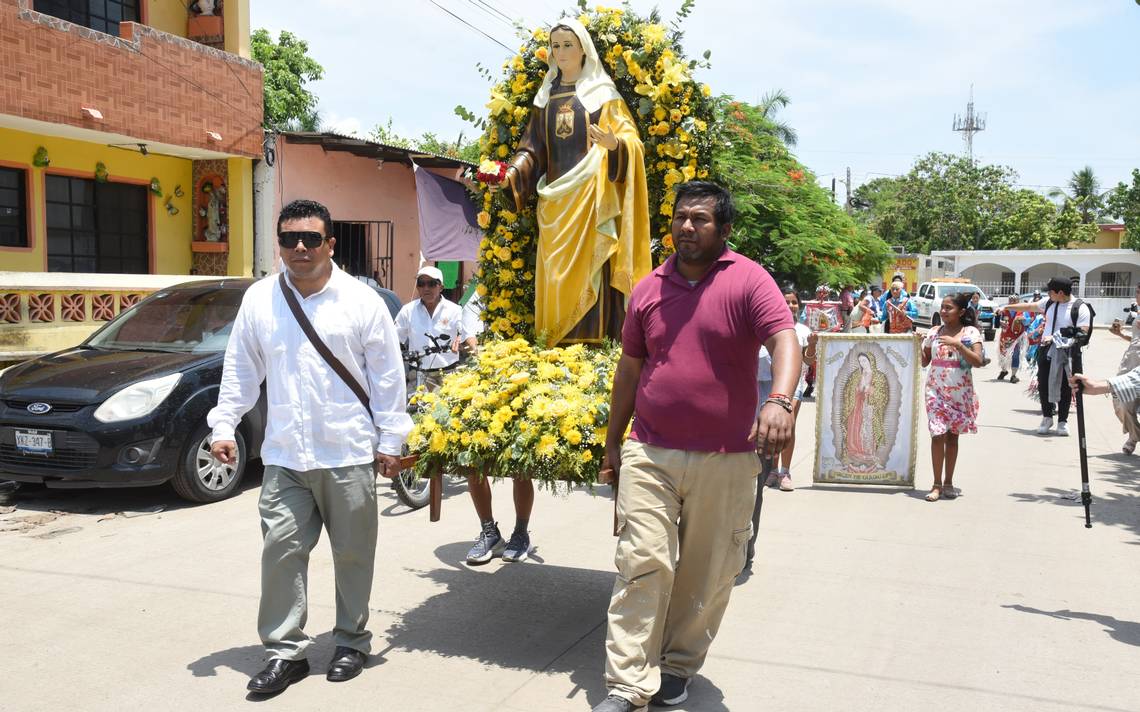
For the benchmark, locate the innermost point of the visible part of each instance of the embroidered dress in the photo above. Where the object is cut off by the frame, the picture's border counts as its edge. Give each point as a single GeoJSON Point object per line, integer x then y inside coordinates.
{"type": "Point", "coordinates": [1012, 337]}
{"type": "Point", "coordinates": [951, 403]}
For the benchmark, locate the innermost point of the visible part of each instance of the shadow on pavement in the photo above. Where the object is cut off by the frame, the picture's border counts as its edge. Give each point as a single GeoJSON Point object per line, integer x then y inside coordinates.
{"type": "Point", "coordinates": [1114, 508]}
{"type": "Point", "coordinates": [250, 659]}
{"type": "Point", "coordinates": [528, 616]}
{"type": "Point", "coordinates": [100, 501]}
{"type": "Point", "coordinates": [862, 489]}
{"type": "Point", "coordinates": [1127, 632]}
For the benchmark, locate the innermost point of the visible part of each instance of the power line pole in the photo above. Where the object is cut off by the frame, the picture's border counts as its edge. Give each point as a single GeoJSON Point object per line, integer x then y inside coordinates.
{"type": "Point", "coordinates": [848, 186]}
{"type": "Point", "coordinates": [970, 124]}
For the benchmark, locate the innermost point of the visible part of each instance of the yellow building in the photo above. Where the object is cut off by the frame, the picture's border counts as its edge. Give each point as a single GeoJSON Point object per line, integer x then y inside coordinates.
{"type": "Point", "coordinates": [1109, 236]}
{"type": "Point", "coordinates": [128, 130]}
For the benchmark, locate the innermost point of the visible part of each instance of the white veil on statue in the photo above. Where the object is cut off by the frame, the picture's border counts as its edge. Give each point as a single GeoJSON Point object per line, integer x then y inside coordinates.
{"type": "Point", "coordinates": [594, 87]}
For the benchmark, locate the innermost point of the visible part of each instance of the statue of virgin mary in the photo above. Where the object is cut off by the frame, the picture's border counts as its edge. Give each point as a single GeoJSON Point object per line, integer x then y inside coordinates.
{"type": "Point", "coordinates": [582, 155]}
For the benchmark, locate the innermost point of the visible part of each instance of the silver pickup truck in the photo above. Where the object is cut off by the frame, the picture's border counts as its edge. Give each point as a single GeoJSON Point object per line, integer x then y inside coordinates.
{"type": "Point", "coordinates": [928, 300]}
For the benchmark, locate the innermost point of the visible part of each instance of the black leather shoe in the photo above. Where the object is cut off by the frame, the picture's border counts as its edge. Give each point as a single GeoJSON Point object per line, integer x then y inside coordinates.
{"type": "Point", "coordinates": [278, 675]}
{"type": "Point", "coordinates": [346, 664]}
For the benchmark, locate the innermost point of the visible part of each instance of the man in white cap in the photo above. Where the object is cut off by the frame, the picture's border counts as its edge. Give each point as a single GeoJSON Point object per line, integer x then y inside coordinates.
{"type": "Point", "coordinates": [430, 322]}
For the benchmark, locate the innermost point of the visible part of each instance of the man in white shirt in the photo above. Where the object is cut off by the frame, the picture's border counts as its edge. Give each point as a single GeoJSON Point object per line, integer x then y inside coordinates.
{"type": "Point", "coordinates": [321, 444]}
{"type": "Point", "coordinates": [432, 321]}
{"type": "Point", "coordinates": [435, 315]}
{"type": "Point", "coordinates": [1057, 308]}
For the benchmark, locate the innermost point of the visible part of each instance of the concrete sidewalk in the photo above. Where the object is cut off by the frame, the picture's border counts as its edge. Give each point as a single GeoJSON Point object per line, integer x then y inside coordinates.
{"type": "Point", "coordinates": [860, 599]}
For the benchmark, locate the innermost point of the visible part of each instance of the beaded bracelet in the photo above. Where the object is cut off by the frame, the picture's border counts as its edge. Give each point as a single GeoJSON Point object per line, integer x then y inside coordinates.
{"type": "Point", "coordinates": [784, 403]}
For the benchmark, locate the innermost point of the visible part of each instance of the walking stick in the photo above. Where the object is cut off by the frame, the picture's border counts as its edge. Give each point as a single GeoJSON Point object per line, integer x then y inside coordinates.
{"type": "Point", "coordinates": [1078, 367]}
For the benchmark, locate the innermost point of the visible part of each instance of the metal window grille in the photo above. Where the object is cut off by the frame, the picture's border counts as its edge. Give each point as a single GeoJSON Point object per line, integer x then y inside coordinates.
{"type": "Point", "coordinates": [96, 227]}
{"type": "Point", "coordinates": [364, 249]}
{"type": "Point", "coordinates": [100, 15]}
{"type": "Point", "coordinates": [13, 208]}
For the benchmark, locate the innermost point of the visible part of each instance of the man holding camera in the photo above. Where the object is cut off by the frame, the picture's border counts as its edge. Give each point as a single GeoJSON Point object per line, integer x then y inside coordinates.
{"type": "Point", "coordinates": [1059, 322]}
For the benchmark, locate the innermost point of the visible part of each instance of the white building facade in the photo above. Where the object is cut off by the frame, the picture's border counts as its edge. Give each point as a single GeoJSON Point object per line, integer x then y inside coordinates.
{"type": "Point", "coordinates": [1106, 278]}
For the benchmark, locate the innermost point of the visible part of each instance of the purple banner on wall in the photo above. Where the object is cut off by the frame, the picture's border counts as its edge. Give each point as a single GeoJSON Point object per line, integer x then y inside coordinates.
{"type": "Point", "coordinates": [448, 230]}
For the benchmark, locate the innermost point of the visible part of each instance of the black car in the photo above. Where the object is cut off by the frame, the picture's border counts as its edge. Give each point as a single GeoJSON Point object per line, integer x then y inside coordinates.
{"type": "Point", "coordinates": [128, 406]}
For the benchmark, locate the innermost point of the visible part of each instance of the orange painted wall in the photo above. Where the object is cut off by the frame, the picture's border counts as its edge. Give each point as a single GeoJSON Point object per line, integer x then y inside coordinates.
{"type": "Point", "coordinates": [353, 189]}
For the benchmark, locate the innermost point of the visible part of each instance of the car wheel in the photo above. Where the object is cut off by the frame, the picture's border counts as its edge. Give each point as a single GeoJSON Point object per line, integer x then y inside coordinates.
{"type": "Point", "coordinates": [935, 320]}
{"type": "Point", "coordinates": [201, 477]}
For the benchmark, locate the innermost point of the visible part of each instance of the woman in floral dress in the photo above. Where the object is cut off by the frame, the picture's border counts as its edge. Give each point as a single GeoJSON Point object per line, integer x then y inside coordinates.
{"type": "Point", "coordinates": [1127, 412]}
{"type": "Point", "coordinates": [951, 350]}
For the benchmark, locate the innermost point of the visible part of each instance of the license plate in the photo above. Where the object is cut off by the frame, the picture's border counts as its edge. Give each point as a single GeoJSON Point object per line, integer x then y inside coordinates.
{"type": "Point", "coordinates": [34, 442]}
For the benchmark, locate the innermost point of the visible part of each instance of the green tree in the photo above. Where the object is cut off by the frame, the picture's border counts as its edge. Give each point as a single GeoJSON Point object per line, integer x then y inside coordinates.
{"type": "Point", "coordinates": [1084, 193]}
{"type": "Point", "coordinates": [288, 68]}
{"type": "Point", "coordinates": [950, 202]}
{"type": "Point", "coordinates": [1124, 203]}
{"type": "Point", "coordinates": [428, 143]}
{"type": "Point", "coordinates": [786, 221]}
{"type": "Point", "coordinates": [309, 122]}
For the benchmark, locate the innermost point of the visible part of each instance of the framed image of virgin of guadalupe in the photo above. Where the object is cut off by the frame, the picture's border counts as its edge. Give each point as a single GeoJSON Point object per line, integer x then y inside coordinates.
{"type": "Point", "coordinates": [867, 414]}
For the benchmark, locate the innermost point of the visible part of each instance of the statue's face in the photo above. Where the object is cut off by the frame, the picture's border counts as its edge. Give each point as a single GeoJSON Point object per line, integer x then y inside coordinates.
{"type": "Point", "coordinates": [567, 52]}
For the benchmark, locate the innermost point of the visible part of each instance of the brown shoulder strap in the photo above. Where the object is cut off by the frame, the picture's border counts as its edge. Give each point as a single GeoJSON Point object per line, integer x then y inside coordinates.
{"type": "Point", "coordinates": [315, 339]}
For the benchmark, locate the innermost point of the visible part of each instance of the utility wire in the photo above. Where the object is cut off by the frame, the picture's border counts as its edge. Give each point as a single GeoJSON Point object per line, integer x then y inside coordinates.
{"type": "Point", "coordinates": [494, 10]}
{"type": "Point", "coordinates": [493, 15]}
{"type": "Point", "coordinates": [473, 27]}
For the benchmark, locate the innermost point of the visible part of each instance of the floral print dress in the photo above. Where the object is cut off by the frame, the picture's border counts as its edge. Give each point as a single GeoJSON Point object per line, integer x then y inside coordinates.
{"type": "Point", "coordinates": [951, 403]}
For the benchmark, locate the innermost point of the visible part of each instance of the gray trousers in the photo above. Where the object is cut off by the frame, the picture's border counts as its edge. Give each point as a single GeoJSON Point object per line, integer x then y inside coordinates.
{"type": "Point", "coordinates": [294, 506]}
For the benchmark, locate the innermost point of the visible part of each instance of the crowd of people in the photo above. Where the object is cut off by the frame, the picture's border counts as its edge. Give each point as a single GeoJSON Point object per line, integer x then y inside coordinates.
{"type": "Point", "coordinates": [681, 537]}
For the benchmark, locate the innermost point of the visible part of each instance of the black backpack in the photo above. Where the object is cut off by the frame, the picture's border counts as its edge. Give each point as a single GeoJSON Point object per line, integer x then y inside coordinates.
{"type": "Point", "coordinates": [1074, 312]}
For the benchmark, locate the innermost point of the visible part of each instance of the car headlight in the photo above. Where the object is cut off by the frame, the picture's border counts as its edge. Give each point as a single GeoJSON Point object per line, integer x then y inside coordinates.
{"type": "Point", "coordinates": [137, 400]}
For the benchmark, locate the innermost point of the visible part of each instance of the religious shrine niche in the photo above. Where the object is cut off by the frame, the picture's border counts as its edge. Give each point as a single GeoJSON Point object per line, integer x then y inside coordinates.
{"type": "Point", "coordinates": [205, 24]}
{"type": "Point", "coordinates": [211, 207]}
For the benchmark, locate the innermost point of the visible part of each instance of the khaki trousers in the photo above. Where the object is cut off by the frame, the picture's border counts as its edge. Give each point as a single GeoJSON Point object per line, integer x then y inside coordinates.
{"type": "Point", "coordinates": [294, 506]}
{"type": "Point", "coordinates": [684, 519]}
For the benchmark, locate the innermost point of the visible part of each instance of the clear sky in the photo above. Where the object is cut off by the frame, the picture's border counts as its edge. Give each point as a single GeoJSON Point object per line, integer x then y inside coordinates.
{"type": "Point", "coordinates": [873, 83]}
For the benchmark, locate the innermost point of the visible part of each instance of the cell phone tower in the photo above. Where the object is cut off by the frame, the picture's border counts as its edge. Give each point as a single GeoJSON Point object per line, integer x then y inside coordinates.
{"type": "Point", "coordinates": [970, 124]}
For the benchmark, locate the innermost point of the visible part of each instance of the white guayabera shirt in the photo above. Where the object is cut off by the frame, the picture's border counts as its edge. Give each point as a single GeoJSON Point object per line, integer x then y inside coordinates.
{"type": "Point", "coordinates": [413, 323]}
{"type": "Point", "coordinates": [314, 420]}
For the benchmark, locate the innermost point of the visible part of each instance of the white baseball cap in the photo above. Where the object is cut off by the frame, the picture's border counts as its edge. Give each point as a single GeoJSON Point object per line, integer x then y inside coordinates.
{"type": "Point", "coordinates": [429, 271]}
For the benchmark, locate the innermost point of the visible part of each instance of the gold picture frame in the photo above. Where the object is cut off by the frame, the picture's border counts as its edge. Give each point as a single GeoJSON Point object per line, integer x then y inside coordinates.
{"type": "Point", "coordinates": [869, 392]}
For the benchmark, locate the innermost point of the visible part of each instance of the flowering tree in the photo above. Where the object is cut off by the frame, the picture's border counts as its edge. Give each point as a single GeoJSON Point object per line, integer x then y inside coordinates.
{"type": "Point", "coordinates": [673, 112]}
{"type": "Point", "coordinates": [786, 221]}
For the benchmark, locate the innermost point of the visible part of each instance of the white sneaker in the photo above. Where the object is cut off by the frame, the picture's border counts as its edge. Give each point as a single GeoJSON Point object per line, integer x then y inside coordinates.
{"type": "Point", "coordinates": [1062, 429]}
{"type": "Point", "coordinates": [1046, 424]}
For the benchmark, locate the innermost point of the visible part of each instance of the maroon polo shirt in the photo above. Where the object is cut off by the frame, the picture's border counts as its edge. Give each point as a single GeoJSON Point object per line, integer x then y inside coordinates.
{"type": "Point", "coordinates": [700, 344]}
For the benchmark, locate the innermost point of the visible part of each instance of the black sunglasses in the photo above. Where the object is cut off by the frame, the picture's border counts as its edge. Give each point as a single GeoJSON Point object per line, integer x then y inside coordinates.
{"type": "Point", "coordinates": [310, 239]}
{"type": "Point", "coordinates": [427, 282]}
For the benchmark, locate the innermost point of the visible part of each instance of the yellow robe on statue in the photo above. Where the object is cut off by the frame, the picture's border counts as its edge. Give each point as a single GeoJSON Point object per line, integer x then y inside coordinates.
{"type": "Point", "coordinates": [590, 216]}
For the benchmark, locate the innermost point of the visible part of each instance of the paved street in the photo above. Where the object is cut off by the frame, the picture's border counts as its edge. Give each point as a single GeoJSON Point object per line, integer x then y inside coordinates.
{"type": "Point", "coordinates": [860, 600]}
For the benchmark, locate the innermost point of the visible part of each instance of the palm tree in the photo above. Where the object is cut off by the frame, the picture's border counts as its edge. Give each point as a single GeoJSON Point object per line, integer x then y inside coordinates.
{"type": "Point", "coordinates": [769, 105]}
{"type": "Point", "coordinates": [1084, 194]}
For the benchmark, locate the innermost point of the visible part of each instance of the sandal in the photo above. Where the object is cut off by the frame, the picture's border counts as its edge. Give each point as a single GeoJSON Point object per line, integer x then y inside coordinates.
{"type": "Point", "coordinates": [1129, 447]}
{"type": "Point", "coordinates": [934, 494]}
{"type": "Point", "coordinates": [949, 492]}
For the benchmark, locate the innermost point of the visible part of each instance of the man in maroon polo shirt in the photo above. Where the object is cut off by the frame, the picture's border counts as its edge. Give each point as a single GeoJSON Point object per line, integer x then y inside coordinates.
{"type": "Point", "coordinates": [687, 376]}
